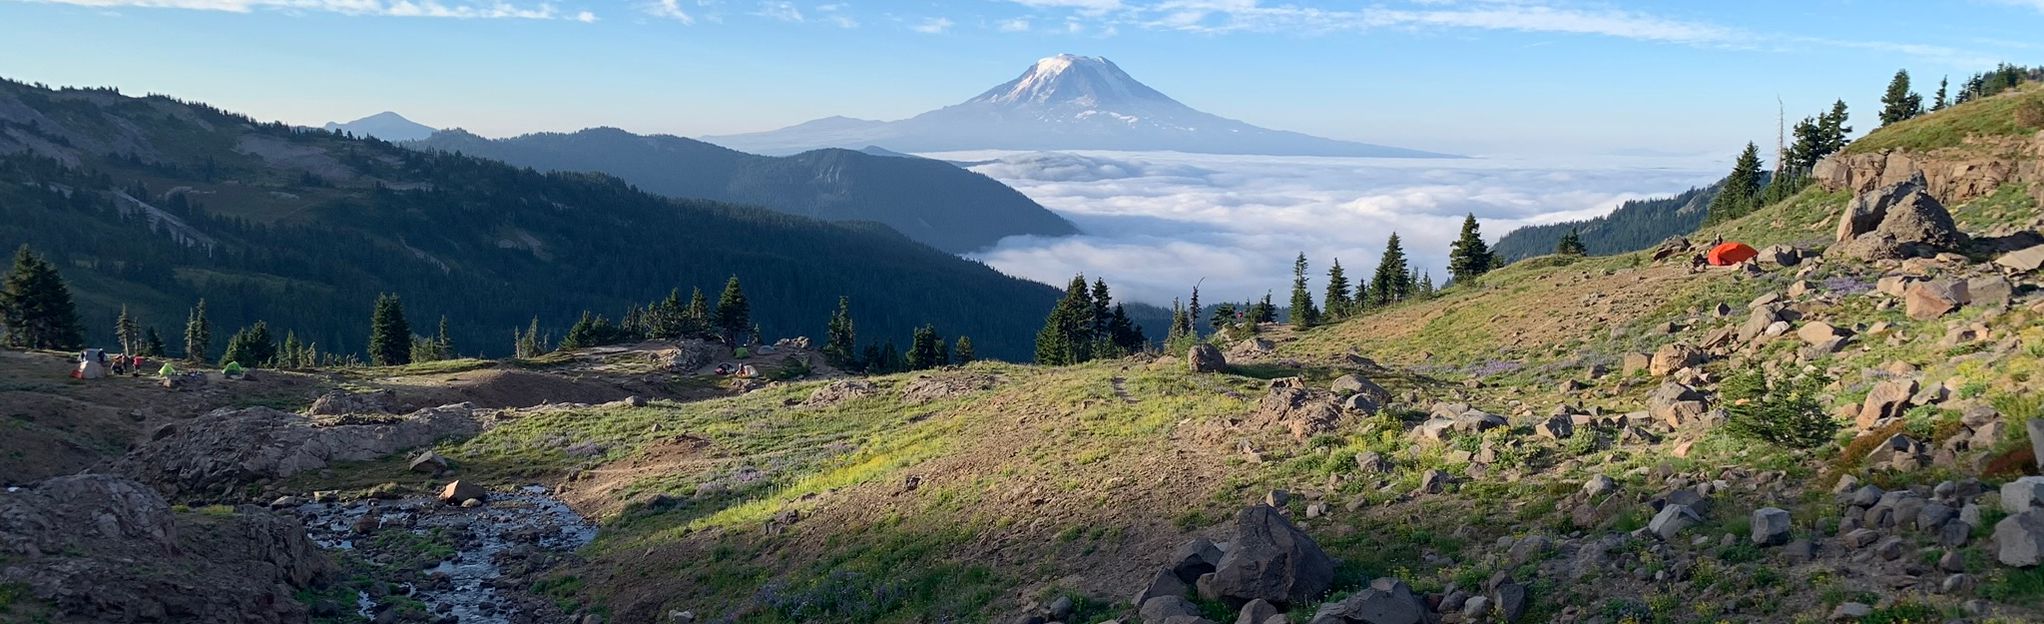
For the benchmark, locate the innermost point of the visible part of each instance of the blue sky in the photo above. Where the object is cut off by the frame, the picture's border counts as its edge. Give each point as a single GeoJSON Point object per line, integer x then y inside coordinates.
{"type": "Point", "coordinates": [1470, 76]}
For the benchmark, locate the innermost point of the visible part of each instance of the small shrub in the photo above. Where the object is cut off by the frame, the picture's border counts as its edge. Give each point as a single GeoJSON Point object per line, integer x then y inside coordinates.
{"type": "Point", "coordinates": [1785, 413]}
{"type": "Point", "coordinates": [1906, 612]}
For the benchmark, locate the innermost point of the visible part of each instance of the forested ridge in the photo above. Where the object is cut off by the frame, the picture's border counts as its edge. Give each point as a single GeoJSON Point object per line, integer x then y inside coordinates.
{"type": "Point", "coordinates": [303, 228]}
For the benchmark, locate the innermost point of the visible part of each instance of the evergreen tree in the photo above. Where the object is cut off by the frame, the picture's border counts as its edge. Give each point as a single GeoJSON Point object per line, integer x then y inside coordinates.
{"type": "Point", "coordinates": [1264, 312]}
{"type": "Point", "coordinates": [962, 354]}
{"type": "Point", "coordinates": [1180, 323]}
{"type": "Point", "coordinates": [1223, 317]}
{"type": "Point", "coordinates": [1939, 103]}
{"type": "Point", "coordinates": [1336, 302]}
{"type": "Point", "coordinates": [696, 321]}
{"type": "Point", "coordinates": [1192, 312]}
{"type": "Point", "coordinates": [390, 335]}
{"type": "Point", "coordinates": [529, 344]}
{"type": "Point", "coordinates": [890, 358]}
{"type": "Point", "coordinates": [924, 349]}
{"type": "Point", "coordinates": [251, 346]}
{"type": "Point", "coordinates": [840, 346]}
{"type": "Point", "coordinates": [669, 318]}
{"type": "Point", "coordinates": [1834, 128]}
{"type": "Point", "coordinates": [1740, 193]}
{"type": "Point", "coordinates": [152, 344]}
{"type": "Point", "coordinates": [734, 314]}
{"type": "Point", "coordinates": [125, 331]}
{"type": "Point", "coordinates": [442, 342]}
{"type": "Point", "coordinates": [36, 308]}
{"type": "Point", "coordinates": [1303, 314]}
{"type": "Point", "coordinates": [198, 334]}
{"type": "Point", "coordinates": [1571, 244]}
{"type": "Point", "coordinates": [1066, 334]}
{"type": "Point", "coordinates": [1899, 103]}
{"type": "Point", "coordinates": [1098, 315]}
{"type": "Point", "coordinates": [288, 352]}
{"type": "Point", "coordinates": [1392, 283]}
{"type": "Point", "coordinates": [1123, 333]}
{"type": "Point", "coordinates": [1426, 285]}
{"type": "Point", "coordinates": [1468, 257]}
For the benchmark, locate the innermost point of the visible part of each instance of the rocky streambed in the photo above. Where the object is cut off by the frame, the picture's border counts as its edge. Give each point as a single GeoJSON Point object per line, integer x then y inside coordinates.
{"type": "Point", "coordinates": [421, 560]}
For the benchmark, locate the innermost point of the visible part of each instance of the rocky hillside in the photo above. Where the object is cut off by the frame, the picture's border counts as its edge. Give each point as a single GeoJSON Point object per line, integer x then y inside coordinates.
{"type": "Point", "coordinates": [930, 201]}
{"type": "Point", "coordinates": [1845, 429]}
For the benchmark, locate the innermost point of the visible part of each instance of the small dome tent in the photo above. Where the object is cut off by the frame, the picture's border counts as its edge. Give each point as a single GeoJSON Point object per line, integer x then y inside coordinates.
{"type": "Point", "coordinates": [1728, 254]}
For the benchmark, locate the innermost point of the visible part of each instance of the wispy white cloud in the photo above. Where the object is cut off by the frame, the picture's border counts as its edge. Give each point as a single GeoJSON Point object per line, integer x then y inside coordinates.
{"type": "Point", "coordinates": [1012, 25]}
{"type": "Point", "coordinates": [456, 9]}
{"type": "Point", "coordinates": [779, 10]}
{"type": "Point", "coordinates": [669, 9]}
{"type": "Point", "coordinates": [932, 25]}
{"type": "Point", "coordinates": [835, 14]}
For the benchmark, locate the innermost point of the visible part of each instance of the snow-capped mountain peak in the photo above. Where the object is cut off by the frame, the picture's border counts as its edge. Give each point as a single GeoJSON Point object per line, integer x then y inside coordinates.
{"type": "Point", "coordinates": [1088, 81]}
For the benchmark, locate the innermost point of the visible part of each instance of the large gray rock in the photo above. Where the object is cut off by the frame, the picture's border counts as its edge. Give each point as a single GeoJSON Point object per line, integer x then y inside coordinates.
{"type": "Point", "coordinates": [1770, 526]}
{"type": "Point", "coordinates": [2019, 539]}
{"type": "Point", "coordinates": [1887, 400]}
{"type": "Point", "coordinates": [1672, 520]}
{"type": "Point", "coordinates": [1163, 583]}
{"type": "Point", "coordinates": [1385, 601]}
{"type": "Point", "coordinates": [1164, 608]}
{"type": "Point", "coordinates": [1194, 559]}
{"type": "Point", "coordinates": [2022, 495]}
{"type": "Point", "coordinates": [1931, 299]}
{"type": "Point", "coordinates": [1205, 358]}
{"type": "Point", "coordinates": [1673, 357]}
{"type": "Point", "coordinates": [1901, 220]}
{"type": "Point", "coordinates": [1352, 384]}
{"type": "Point", "coordinates": [1270, 559]}
{"type": "Point", "coordinates": [1256, 612]}
{"type": "Point", "coordinates": [1305, 412]}
{"type": "Point", "coordinates": [1675, 404]}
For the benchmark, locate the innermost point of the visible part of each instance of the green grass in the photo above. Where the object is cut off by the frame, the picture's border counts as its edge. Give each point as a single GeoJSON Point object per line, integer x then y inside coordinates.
{"type": "Point", "coordinates": [1993, 116]}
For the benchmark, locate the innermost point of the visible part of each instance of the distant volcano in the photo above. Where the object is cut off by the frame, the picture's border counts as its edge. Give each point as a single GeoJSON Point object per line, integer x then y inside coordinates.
{"type": "Point", "coordinates": [386, 125]}
{"type": "Point", "coordinates": [1064, 102]}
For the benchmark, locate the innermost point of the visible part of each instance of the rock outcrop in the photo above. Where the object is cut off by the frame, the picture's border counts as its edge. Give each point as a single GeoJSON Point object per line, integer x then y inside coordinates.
{"type": "Point", "coordinates": [1270, 559]}
{"type": "Point", "coordinates": [1900, 220]}
{"type": "Point", "coordinates": [100, 548]}
{"type": "Point", "coordinates": [210, 457]}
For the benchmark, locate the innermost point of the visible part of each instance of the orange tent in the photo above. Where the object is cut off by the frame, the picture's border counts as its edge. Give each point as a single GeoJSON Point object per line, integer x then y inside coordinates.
{"type": "Point", "coordinates": [1728, 254]}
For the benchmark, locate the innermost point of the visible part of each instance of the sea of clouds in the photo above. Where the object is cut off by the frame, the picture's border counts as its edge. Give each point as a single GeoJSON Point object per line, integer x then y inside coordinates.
{"type": "Point", "coordinates": [1156, 223]}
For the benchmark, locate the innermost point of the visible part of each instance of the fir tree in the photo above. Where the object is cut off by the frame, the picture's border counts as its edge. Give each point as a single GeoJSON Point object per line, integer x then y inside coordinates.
{"type": "Point", "coordinates": [962, 354]}
{"type": "Point", "coordinates": [1223, 317]}
{"type": "Point", "coordinates": [152, 344]}
{"type": "Point", "coordinates": [1180, 323]}
{"type": "Point", "coordinates": [840, 347]}
{"type": "Point", "coordinates": [442, 342]}
{"type": "Point", "coordinates": [1264, 312]}
{"type": "Point", "coordinates": [924, 349]}
{"type": "Point", "coordinates": [1336, 301]}
{"type": "Point", "coordinates": [36, 308]}
{"type": "Point", "coordinates": [528, 344]}
{"type": "Point", "coordinates": [734, 314]}
{"type": "Point", "coordinates": [1939, 102]}
{"type": "Point", "coordinates": [1192, 312]}
{"type": "Point", "coordinates": [1392, 283]}
{"type": "Point", "coordinates": [251, 346]}
{"type": "Point", "coordinates": [1571, 244]}
{"type": "Point", "coordinates": [1303, 314]}
{"type": "Point", "coordinates": [696, 321]}
{"type": "Point", "coordinates": [390, 335]}
{"type": "Point", "coordinates": [126, 331]}
{"type": "Point", "coordinates": [1899, 103]}
{"type": "Point", "coordinates": [1468, 257]}
{"type": "Point", "coordinates": [1740, 193]}
{"type": "Point", "coordinates": [198, 334]}
{"type": "Point", "coordinates": [1123, 333]}
{"type": "Point", "coordinates": [1097, 315]}
{"type": "Point", "coordinates": [669, 317]}
{"type": "Point", "coordinates": [1426, 285]}
{"type": "Point", "coordinates": [1066, 334]}
{"type": "Point", "coordinates": [890, 358]}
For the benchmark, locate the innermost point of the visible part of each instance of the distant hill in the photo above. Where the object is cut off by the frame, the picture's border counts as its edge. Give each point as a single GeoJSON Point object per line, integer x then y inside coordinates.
{"type": "Point", "coordinates": [386, 125]}
{"type": "Point", "coordinates": [1064, 102]}
{"type": "Point", "coordinates": [153, 203]}
{"type": "Point", "coordinates": [1634, 225]}
{"type": "Point", "coordinates": [931, 201]}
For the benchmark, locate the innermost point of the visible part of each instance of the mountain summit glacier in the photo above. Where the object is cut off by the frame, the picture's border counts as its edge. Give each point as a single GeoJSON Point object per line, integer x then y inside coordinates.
{"type": "Point", "coordinates": [1064, 102]}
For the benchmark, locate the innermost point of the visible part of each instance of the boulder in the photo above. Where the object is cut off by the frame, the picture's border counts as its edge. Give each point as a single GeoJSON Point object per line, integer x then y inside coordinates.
{"type": "Point", "coordinates": [457, 491]}
{"type": "Point", "coordinates": [1633, 362]}
{"type": "Point", "coordinates": [2019, 539]}
{"type": "Point", "coordinates": [429, 462]}
{"type": "Point", "coordinates": [1888, 399]}
{"type": "Point", "coordinates": [1819, 332]}
{"type": "Point", "coordinates": [1205, 358]}
{"type": "Point", "coordinates": [1164, 608]}
{"type": "Point", "coordinates": [1989, 291]}
{"type": "Point", "coordinates": [1599, 485]}
{"type": "Point", "coordinates": [1372, 462]}
{"type": "Point", "coordinates": [1770, 526]}
{"type": "Point", "coordinates": [1675, 404]}
{"type": "Point", "coordinates": [1256, 612]}
{"type": "Point", "coordinates": [1931, 299]}
{"type": "Point", "coordinates": [1196, 558]}
{"type": "Point", "coordinates": [1511, 601]}
{"type": "Point", "coordinates": [1671, 520]}
{"type": "Point", "coordinates": [1385, 601]}
{"type": "Point", "coordinates": [1163, 583]}
{"type": "Point", "coordinates": [1270, 559]}
{"type": "Point", "coordinates": [1673, 357]}
{"type": "Point", "coordinates": [1251, 347]}
{"type": "Point", "coordinates": [2023, 261]}
{"type": "Point", "coordinates": [1352, 384]}
{"type": "Point", "coordinates": [1305, 412]}
{"type": "Point", "coordinates": [1901, 220]}
{"type": "Point", "coordinates": [1758, 321]}
{"type": "Point", "coordinates": [2024, 494]}
{"type": "Point", "coordinates": [341, 402]}
{"type": "Point", "coordinates": [1556, 428]}
{"type": "Point", "coordinates": [1781, 255]}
